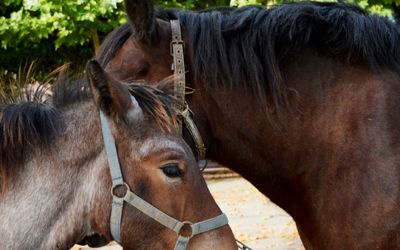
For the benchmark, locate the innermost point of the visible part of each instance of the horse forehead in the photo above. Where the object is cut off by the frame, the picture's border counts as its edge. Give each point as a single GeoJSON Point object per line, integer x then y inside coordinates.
{"type": "Point", "coordinates": [130, 48]}
{"type": "Point", "coordinates": [158, 144]}
{"type": "Point", "coordinates": [129, 56]}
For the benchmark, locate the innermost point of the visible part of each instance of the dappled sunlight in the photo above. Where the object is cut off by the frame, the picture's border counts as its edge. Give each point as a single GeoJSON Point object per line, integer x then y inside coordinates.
{"type": "Point", "coordinates": [254, 220]}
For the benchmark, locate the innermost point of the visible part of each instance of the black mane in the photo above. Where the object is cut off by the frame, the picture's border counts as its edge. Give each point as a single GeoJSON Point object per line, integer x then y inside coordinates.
{"type": "Point", "coordinates": [30, 120]}
{"type": "Point", "coordinates": [113, 42]}
{"type": "Point", "coordinates": [252, 45]}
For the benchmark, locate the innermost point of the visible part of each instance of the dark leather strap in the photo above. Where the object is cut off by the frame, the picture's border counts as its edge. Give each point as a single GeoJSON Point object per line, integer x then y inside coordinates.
{"type": "Point", "coordinates": [178, 66]}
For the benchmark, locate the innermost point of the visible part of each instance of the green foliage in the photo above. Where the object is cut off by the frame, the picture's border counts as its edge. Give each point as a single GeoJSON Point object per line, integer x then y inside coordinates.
{"type": "Point", "coordinates": [191, 4]}
{"type": "Point", "coordinates": [60, 31]}
{"type": "Point", "coordinates": [54, 31]}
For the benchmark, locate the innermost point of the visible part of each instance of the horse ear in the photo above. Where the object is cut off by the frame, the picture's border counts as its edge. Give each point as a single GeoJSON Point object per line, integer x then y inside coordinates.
{"type": "Point", "coordinates": [110, 95]}
{"type": "Point", "coordinates": [142, 19]}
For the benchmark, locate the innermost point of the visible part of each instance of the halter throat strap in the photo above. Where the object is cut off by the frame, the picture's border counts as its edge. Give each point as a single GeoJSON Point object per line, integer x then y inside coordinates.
{"type": "Point", "coordinates": [178, 67]}
{"type": "Point", "coordinates": [142, 205]}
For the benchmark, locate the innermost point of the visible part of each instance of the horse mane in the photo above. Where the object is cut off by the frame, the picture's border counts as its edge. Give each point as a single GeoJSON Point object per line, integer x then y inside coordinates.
{"type": "Point", "coordinates": [26, 122]}
{"type": "Point", "coordinates": [112, 43]}
{"type": "Point", "coordinates": [29, 122]}
{"type": "Point", "coordinates": [118, 37]}
{"type": "Point", "coordinates": [158, 102]}
{"type": "Point", "coordinates": [251, 46]}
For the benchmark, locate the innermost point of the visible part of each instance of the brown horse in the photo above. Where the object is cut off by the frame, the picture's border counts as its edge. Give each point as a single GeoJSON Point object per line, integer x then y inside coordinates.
{"type": "Point", "coordinates": [55, 176]}
{"type": "Point", "coordinates": [300, 99]}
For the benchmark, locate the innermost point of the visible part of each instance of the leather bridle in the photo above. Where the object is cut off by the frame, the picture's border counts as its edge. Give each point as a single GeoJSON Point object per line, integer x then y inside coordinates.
{"type": "Point", "coordinates": [142, 205]}
{"type": "Point", "coordinates": [178, 67]}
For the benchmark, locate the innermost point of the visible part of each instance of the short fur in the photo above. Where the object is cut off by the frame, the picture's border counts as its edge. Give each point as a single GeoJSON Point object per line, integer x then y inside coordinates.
{"type": "Point", "coordinates": [56, 179]}
{"type": "Point", "coordinates": [28, 122]}
{"type": "Point", "coordinates": [302, 100]}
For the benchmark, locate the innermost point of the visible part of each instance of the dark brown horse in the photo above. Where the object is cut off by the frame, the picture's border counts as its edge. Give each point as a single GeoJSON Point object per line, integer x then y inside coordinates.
{"type": "Point", "coordinates": [55, 179]}
{"type": "Point", "coordinates": [302, 100]}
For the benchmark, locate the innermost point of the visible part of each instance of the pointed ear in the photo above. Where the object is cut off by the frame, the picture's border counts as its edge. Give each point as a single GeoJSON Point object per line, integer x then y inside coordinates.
{"type": "Point", "coordinates": [142, 19]}
{"type": "Point", "coordinates": [110, 95]}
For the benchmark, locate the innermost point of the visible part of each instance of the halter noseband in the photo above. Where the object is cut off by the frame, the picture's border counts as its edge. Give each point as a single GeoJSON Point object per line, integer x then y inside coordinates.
{"type": "Point", "coordinates": [178, 67]}
{"type": "Point", "coordinates": [142, 205]}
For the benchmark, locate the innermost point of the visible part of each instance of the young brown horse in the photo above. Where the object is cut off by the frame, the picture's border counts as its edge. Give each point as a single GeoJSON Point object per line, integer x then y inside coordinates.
{"type": "Point", "coordinates": [55, 177]}
{"type": "Point", "coordinates": [300, 99]}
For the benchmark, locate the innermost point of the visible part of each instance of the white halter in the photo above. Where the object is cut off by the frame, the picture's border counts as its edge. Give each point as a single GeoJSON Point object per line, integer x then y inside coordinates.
{"type": "Point", "coordinates": [142, 205]}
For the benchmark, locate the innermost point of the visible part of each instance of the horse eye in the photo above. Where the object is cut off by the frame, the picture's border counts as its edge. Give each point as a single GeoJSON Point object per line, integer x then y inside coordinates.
{"type": "Point", "coordinates": [172, 171]}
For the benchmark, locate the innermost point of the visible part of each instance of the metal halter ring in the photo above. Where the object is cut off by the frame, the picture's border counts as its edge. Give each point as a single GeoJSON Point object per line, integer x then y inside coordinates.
{"type": "Point", "coordinates": [191, 229]}
{"type": "Point", "coordinates": [127, 189]}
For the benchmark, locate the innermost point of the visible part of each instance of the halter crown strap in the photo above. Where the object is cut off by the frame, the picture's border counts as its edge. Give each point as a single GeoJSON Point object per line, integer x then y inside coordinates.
{"type": "Point", "coordinates": [178, 66]}
{"type": "Point", "coordinates": [116, 177]}
{"type": "Point", "coordinates": [112, 155]}
{"type": "Point", "coordinates": [142, 205]}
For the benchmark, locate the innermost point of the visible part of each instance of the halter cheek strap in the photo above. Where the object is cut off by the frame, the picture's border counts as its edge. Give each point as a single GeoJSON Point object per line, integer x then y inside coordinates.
{"type": "Point", "coordinates": [178, 67]}
{"type": "Point", "coordinates": [142, 205]}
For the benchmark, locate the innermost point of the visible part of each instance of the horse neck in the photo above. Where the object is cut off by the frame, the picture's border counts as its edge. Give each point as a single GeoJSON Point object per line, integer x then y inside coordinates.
{"type": "Point", "coordinates": [277, 155]}
{"type": "Point", "coordinates": [235, 128]}
{"type": "Point", "coordinates": [239, 135]}
{"type": "Point", "coordinates": [50, 202]}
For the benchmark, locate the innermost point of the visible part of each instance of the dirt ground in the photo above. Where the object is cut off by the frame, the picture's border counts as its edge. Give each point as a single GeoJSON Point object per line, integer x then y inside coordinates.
{"type": "Point", "coordinates": [255, 220]}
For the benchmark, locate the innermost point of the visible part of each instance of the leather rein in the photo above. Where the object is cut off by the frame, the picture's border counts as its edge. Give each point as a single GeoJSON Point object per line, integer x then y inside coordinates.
{"type": "Point", "coordinates": [142, 205]}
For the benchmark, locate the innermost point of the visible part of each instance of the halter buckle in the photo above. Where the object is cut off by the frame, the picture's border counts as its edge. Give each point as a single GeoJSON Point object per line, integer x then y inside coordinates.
{"type": "Point", "coordinates": [171, 44]}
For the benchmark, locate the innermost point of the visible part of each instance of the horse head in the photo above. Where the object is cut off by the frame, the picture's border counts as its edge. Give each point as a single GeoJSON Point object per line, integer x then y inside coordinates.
{"type": "Point", "coordinates": [158, 169]}
{"type": "Point", "coordinates": [107, 164]}
{"type": "Point", "coordinates": [139, 49]}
